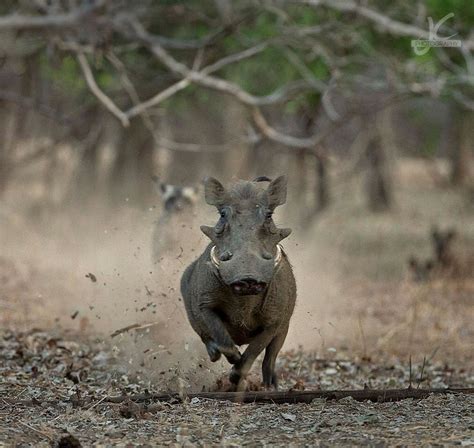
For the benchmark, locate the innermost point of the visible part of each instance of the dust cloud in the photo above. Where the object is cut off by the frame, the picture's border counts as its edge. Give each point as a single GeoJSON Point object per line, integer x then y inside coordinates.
{"type": "Point", "coordinates": [95, 273]}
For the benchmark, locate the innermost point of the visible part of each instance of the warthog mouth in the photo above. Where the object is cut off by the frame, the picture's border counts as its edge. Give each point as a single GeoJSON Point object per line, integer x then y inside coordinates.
{"type": "Point", "coordinates": [248, 287]}
{"type": "Point", "coordinates": [216, 262]}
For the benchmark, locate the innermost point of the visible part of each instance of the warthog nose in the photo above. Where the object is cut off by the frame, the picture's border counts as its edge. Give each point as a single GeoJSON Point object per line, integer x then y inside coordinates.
{"type": "Point", "coordinates": [226, 256]}
{"type": "Point", "coordinates": [248, 286]}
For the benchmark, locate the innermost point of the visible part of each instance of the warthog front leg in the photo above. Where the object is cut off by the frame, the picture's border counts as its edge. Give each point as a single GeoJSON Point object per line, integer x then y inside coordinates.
{"type": "Point", "coordinates": [220, 340]}
{"type": "Point", "coordinates": [271, 352]}
{"type": "Point", "coordinates": [256, 346]}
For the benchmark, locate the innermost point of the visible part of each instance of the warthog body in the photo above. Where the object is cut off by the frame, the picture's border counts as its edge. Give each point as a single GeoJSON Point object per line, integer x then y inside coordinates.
{"type": "Point", "coordinates": [241, 290]}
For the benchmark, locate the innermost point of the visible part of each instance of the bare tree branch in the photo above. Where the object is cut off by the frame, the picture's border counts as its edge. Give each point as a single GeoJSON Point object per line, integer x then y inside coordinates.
{"type": "Point", "coordinates": [385, 23]}
{"type": "Point", "coordinates": [101, 96]}
{"type": "Point", "coordinates": [212, 82]}
{"type": "Point", "coordinates": [288, 140]}
{"type": "Point", "coordinates": [67, 20]}
{"type": "Point", "coordinates": [158, 98]}
{"type": "Point", "coordinates": [181, 85]}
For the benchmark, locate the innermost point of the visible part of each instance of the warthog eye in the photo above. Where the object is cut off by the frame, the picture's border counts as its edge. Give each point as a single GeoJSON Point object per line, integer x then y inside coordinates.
{"type": "Point", "coordinates": [268, 215]}
{"type": "Point", "coordinates": [220, 226]}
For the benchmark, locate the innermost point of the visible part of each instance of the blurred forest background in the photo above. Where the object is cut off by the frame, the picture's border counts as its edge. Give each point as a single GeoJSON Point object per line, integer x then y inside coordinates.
{"type": "Point", "coordinates": [99, 95]}
{"type": "Point", "coordinates": [375, 134]}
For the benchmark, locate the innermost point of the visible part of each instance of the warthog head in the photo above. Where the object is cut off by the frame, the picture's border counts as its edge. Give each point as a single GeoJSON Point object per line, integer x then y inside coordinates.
{"type": "Point", "coordinates": [175, 198]}
{"type": "Point", "coordinates": [246, 250]}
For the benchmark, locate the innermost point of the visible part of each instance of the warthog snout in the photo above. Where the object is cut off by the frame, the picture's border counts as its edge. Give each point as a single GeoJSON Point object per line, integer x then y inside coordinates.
{"type": "Point", "coordinates": [248, 286]}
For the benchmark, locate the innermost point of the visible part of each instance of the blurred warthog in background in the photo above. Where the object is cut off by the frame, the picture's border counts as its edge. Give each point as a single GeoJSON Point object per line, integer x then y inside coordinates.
{"type": "Point", "coordinates": [178, 207]}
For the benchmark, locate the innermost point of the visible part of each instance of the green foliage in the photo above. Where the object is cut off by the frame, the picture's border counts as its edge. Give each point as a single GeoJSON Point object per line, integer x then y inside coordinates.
{"type": "Point", "coordinates": [463, 13]}
{"type": "Point", "coordinates": [66, 75]}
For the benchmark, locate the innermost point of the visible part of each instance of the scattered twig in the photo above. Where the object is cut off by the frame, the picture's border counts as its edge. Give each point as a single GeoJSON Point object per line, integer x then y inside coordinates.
{"type": "Point", "coordinates": [124, 330]}
{"type": "Point", "coordinates": [421, 373]}
{"type": "Point", "coordinates": [410, 374]}
{"type": "Point", "coordinates": [35, 430]}
{"type": "Point", "coordinates": [97, 403]}
{"type": "Point", "coordinates": [132, 327]}
{"type": "Point", "coordinates": [362, 334]}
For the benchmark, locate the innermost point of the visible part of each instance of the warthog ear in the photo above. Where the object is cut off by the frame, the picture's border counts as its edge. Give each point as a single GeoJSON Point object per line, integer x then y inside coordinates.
{"type": "Point", "coordinates": [209, 232]}
{"type": "Point", "coordinates": [276, 192]}
{"type": "Point", "coordinates": [214, 192]}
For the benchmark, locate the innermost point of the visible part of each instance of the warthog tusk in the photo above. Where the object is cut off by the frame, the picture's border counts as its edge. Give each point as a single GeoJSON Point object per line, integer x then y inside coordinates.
{"type": "Point", "coordinates": [216, 261]}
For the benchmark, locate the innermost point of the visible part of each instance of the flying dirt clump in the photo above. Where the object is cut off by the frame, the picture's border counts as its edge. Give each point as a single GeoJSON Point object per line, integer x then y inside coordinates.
{"type": "Point", "coordinates": [241, 290]}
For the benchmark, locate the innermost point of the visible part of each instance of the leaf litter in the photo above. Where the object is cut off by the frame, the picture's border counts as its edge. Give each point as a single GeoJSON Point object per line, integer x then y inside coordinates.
{"type": "Point", "coordinates": [54, 385]}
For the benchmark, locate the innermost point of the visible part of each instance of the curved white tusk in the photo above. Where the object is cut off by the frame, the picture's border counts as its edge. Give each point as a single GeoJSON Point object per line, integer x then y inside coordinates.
{"type": "Point", "coordinates": [216, 263]}
{"type": "Point", "coordinates": [278, 255]}
{"type": "Point", "coordinates": [214, 259]}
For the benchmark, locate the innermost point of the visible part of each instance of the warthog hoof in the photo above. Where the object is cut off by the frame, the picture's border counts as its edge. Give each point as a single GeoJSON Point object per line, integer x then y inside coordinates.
{"type": "Point", "coordinates": [231, 353]}
{"type": "Point", "coordinates": [270, 380]}
{"type": "Point", "coordinates": [236, 378]}
{"type": "Point", "coordinates": [213, 351]}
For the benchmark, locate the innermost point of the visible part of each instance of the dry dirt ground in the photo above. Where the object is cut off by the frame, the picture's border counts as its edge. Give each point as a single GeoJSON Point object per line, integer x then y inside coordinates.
{"type": "Point", "coordinates": [358, 321]}
{"type": "Point", "coordinates": [54, 387]}
{"type": "Point", "coordinates": [54, 381]}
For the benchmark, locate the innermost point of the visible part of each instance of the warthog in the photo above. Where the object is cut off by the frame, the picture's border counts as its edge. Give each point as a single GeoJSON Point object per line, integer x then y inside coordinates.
{"type": "Point", "coordinates": [241, 290]}
{"type": "Point", "coordinates": [178, 209]}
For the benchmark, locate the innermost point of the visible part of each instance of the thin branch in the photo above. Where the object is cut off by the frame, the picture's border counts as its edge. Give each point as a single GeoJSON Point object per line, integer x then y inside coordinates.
{"type": "Point", "coordinates": [101, 96]}
{"type": "Point", "coordinates": [384, 22]}
{"type": "Point", "coordinates": [288, 140]}
{"type": "Point", "coordinates": [158, 98]}
{"type": "Point", "coordinates": [68, 20]}
{"type": "Point", "coordinates": [236, 57]}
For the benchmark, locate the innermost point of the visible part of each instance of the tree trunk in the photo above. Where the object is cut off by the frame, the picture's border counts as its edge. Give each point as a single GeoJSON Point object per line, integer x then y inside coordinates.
{"type": "Point", "coordinates": [379, 189]}
{"type": "Point", "coordinates": [462, 150]}
{"type": "Point", "coordinates": [322, 185]}
{"type": "Point", "coordinates": [86, 182]}
{"type": "Point", "coordinates": [130, 179]}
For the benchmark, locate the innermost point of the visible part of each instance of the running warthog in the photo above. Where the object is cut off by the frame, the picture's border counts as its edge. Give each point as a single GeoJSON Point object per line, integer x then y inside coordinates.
{"type": "Point", "coordinates": [241, 290]}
